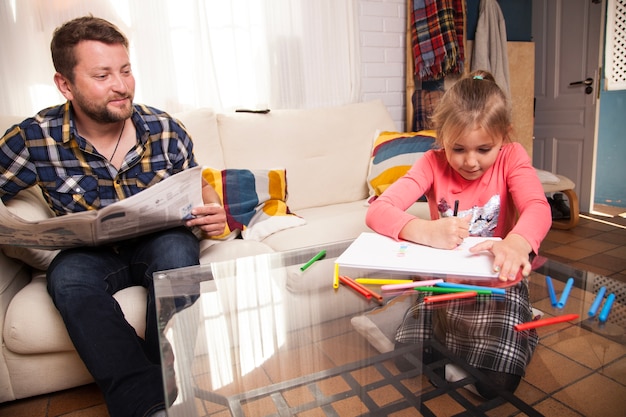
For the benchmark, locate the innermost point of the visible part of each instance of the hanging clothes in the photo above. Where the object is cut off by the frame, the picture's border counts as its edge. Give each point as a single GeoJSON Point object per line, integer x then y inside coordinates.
{"type": "Point", "coordinates": [425, 100]}
{"type": "Point", "coordinates": [437, 28]}
{"type": "Point", "coordinates": [490, 50]}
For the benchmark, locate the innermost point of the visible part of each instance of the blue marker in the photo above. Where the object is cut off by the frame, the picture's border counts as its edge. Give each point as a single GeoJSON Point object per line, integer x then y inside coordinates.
{"type": "Point", "coordinates": [471, 287]}
{"type": "Point", "coordinates": [596, 303]}
{"type": "Point", "coordinates": [565, 293]}
{"type": "Point", "coordinates": [551, 292]}
{"type": "Point", "coordinates": [604, 314]}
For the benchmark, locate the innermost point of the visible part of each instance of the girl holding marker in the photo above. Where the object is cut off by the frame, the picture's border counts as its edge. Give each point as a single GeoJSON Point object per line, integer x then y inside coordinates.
{"type": "Point", "coordinates": [499, 194]}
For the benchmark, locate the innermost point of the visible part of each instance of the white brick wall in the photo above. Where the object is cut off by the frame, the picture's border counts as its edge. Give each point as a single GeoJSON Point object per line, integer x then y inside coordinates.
{"type": "Point", "coordinates": [382, 25]}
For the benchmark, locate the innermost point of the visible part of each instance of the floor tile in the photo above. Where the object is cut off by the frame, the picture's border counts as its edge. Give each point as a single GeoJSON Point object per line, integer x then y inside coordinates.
{"type": "Point", "coordinates": [595, 395]}
{"type": "Point", "coordinates": [551, 407]}
{"type": "Point", "coordinates": [584, 347]}
{"type": "Point", "coordinates": [79, 398]}
{"type": "Point", "coordinates": [570, 252]}
{"type": "Point", "coordinates": [29, 407]}
{"type": "Point", "coordinates": [603, 260]}
{"type": "Point", "coordinates": [595, 245]}
{"type": "Point", "coordinates": [550, 371]}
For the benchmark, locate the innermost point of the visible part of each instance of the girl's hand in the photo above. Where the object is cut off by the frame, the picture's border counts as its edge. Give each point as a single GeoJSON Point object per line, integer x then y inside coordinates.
{"type": "Point", "coordinates": [444, 233]}
{"type": "Point", "coordinates": [510, 254]}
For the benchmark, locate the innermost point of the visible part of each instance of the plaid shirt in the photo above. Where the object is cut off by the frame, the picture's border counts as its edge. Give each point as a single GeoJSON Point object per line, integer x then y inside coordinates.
{"type": "Point", "coordinates": [46, 150]}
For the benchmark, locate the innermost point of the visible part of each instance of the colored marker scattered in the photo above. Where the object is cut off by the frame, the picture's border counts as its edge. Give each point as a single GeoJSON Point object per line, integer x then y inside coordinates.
{"type": "Point", "coordinates": [381, 281]}
{"type": "Point", "coordinates": [442, 290]}
{"type": "Point", "coordinates": [551, 292]}
{"type": "Point", "coordinates": [450, 296]}
{"type": "Point", "coordinates": [366, 292]}
{"type": "Point", "coordinates": [545, 322]}
{"type": "Point", "coordinates": [565, 293]}
{"type": "Point", "coordinates": [606, 309]}
{"type": "Point", "coordinates": [409, 285]}
{"type": "Point", "coordinates": [490, 290]}
{"type": "Point", "coordinates": [314, 259]}
{"type": "Point", "coordinates": [355, 286]}
{"type": "Point", "coordinates": [596, 303]}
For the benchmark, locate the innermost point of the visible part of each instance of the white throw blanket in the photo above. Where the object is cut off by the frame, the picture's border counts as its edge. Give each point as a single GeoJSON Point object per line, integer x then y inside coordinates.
{"type": "Point", "coordinates": [490, 51]}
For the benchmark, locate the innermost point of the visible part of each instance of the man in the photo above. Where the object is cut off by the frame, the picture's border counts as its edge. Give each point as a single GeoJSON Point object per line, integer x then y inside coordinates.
{"type": "Point", "coordinates": [92, 151]}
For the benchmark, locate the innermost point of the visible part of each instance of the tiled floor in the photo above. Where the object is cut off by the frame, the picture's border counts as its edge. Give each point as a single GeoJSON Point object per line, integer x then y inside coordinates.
{"type": "Point", "coordinates": [593, 245]}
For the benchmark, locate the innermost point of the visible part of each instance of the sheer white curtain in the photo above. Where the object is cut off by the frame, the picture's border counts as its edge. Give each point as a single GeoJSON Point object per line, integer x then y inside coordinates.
{"type": "Point", "coordinates": [223, 54]}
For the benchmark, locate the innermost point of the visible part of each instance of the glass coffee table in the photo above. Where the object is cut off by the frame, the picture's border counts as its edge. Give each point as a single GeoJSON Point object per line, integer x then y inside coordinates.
{"type": "Point", "coordinates": [263, 338]}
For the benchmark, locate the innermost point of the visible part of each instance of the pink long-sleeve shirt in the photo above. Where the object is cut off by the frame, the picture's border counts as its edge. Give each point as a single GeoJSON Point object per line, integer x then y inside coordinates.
{"type": "Point", "coordinates": [508, 188]}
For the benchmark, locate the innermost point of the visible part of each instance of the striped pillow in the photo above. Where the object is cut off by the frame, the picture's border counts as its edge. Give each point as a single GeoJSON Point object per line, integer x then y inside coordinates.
{"type": "Point", "coordinates": [392, 156]}
{"type": "Point", "coordinates": [254, 200]}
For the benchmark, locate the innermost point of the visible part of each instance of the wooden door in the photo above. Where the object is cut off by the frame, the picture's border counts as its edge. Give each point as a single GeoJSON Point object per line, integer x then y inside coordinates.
{"type": "Point", "coordinates": [567, 36]}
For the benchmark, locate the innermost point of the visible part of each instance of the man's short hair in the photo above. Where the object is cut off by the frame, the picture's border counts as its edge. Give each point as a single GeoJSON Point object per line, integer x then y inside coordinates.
{"type": "Point", "coordinates": [68, 35]}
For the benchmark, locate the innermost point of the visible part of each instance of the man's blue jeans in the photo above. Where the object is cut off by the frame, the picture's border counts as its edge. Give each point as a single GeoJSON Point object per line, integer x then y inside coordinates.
{"type": "Point", "coordinates": [82, 282]}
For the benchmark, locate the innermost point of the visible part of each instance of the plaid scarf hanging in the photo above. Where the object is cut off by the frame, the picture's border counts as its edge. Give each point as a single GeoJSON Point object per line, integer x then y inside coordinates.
{"type": "Point", "coordinates": [437, 37]}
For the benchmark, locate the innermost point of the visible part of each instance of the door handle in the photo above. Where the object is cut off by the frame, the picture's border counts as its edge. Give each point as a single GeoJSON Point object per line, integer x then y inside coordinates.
{"type": "Point", "coordinates": [587, 83]}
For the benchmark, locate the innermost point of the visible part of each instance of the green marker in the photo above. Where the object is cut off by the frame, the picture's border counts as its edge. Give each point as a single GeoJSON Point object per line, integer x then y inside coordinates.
{"type": "Point", "coordinates": [313, 259]}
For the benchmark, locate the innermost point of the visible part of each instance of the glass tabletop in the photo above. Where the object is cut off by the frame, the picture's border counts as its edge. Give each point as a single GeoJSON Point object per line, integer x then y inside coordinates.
{"type": "Point", "coordinates": [258, 336]}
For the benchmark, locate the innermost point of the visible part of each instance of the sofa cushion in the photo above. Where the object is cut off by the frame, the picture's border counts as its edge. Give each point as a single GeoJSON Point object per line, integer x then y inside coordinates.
{"type": "Point", "coordinates": [255, 201]}
{"type": "Point", "coordinates": [326, 151]}
{"type": "Point", "coordinates": [393, 155]}
{"type": "Point", "coordinates": [329, 224]}
{"type": "Point", "coordinates": [33, 324]}
{"type": "Point", "coordinates": [201, 124]}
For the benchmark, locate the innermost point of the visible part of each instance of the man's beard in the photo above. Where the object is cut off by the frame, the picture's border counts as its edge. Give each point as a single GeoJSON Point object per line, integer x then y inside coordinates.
{"type": "Point", "coordinates": [102, 114]}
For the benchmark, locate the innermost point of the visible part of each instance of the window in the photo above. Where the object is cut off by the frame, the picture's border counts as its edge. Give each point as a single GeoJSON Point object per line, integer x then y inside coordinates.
{"type": "Point", "coordinates": [186, 54]}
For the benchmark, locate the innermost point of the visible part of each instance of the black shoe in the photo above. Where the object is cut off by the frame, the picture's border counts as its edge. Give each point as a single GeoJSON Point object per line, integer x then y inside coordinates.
{"type": "Point", "coordinates": [556, 214]}
{"type": "Point", "coordinates": [561, 205]}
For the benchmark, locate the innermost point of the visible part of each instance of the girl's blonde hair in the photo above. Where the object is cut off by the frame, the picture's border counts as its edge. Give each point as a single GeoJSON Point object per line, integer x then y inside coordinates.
{"type": "Point", "coordinates": [474, 101]}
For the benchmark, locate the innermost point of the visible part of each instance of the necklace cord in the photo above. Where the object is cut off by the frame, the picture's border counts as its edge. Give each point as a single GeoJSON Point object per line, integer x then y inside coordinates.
{"type": "Point", "coordinates": [118, 141]}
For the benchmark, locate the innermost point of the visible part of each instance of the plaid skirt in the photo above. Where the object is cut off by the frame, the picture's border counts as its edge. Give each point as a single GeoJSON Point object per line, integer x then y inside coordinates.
{"type": "Point", "coordinates": [479, 331]}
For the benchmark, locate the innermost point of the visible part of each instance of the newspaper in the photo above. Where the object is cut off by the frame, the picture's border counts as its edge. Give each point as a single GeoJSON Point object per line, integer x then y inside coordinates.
{"type": "Point", "coordinates": [164, 205]}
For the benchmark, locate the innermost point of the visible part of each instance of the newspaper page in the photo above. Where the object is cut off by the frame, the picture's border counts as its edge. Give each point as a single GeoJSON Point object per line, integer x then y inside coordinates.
{"type": "Point", "coordinates": [164, 205]}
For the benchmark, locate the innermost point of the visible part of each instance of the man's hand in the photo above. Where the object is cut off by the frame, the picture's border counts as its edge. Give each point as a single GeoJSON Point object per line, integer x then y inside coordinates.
{"type": "Point", "coordinates": [210, 218]}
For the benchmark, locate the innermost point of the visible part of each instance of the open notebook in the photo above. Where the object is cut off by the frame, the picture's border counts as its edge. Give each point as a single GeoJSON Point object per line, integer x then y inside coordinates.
{"type": "Point", "coordinates": [374, 251]}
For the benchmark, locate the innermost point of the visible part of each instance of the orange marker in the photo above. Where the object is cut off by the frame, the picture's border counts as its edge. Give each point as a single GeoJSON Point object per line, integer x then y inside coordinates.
{"type": "Point", "coordinates": [355, 286]}
{"type": "Point", "coordinates": [374, 295]}
{"type": "Point", "coordinates": [545, 322]}
{"type": "Point", "coordinates": [451, 296]}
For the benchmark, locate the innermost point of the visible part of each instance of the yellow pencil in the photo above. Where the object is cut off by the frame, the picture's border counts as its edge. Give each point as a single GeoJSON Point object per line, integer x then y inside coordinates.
{"type": "Point", "coordinates": [382, 281]}
{"type": "Point", "coordinates": [336, 277]}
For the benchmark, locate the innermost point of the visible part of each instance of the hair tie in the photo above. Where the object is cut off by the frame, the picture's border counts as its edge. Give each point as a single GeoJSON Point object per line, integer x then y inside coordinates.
{"type": "Point", "coordinates": [478, 77]}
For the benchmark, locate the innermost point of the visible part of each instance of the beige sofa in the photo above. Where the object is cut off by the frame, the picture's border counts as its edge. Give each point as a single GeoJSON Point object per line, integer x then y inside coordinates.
{"type": "Point", "coordinates": [326, 154]}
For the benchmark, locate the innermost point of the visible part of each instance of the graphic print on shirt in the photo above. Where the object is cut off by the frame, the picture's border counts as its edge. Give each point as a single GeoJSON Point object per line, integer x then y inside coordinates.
{"type": "Point", "coordinates": [484, 219]}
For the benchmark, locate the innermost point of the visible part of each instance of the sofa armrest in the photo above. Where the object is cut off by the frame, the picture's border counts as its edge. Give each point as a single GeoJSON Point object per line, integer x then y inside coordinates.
{"type": "Point", "coordinates": [14, 275]}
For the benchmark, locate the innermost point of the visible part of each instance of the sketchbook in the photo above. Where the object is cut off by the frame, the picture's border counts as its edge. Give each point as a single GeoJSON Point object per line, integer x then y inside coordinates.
{"type": "Point", "coordinates": [374, 251]}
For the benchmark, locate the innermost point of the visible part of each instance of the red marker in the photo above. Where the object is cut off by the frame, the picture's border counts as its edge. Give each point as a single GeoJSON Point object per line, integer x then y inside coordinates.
{"type": "Point", "coordinates": [366, 292]}
{"type": "Point", "coordinates": [451, 296]}
{"type": "Point", "coordinates": [545, 322]}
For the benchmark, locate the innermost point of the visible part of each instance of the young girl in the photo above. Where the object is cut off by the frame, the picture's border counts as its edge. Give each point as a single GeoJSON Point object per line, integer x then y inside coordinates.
{"type": "Point", "coordinates": [495, 189]}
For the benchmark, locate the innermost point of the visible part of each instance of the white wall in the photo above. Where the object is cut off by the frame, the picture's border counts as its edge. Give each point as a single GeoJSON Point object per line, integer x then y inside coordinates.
{"type": "Point", "coordinates": [382, 35]}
